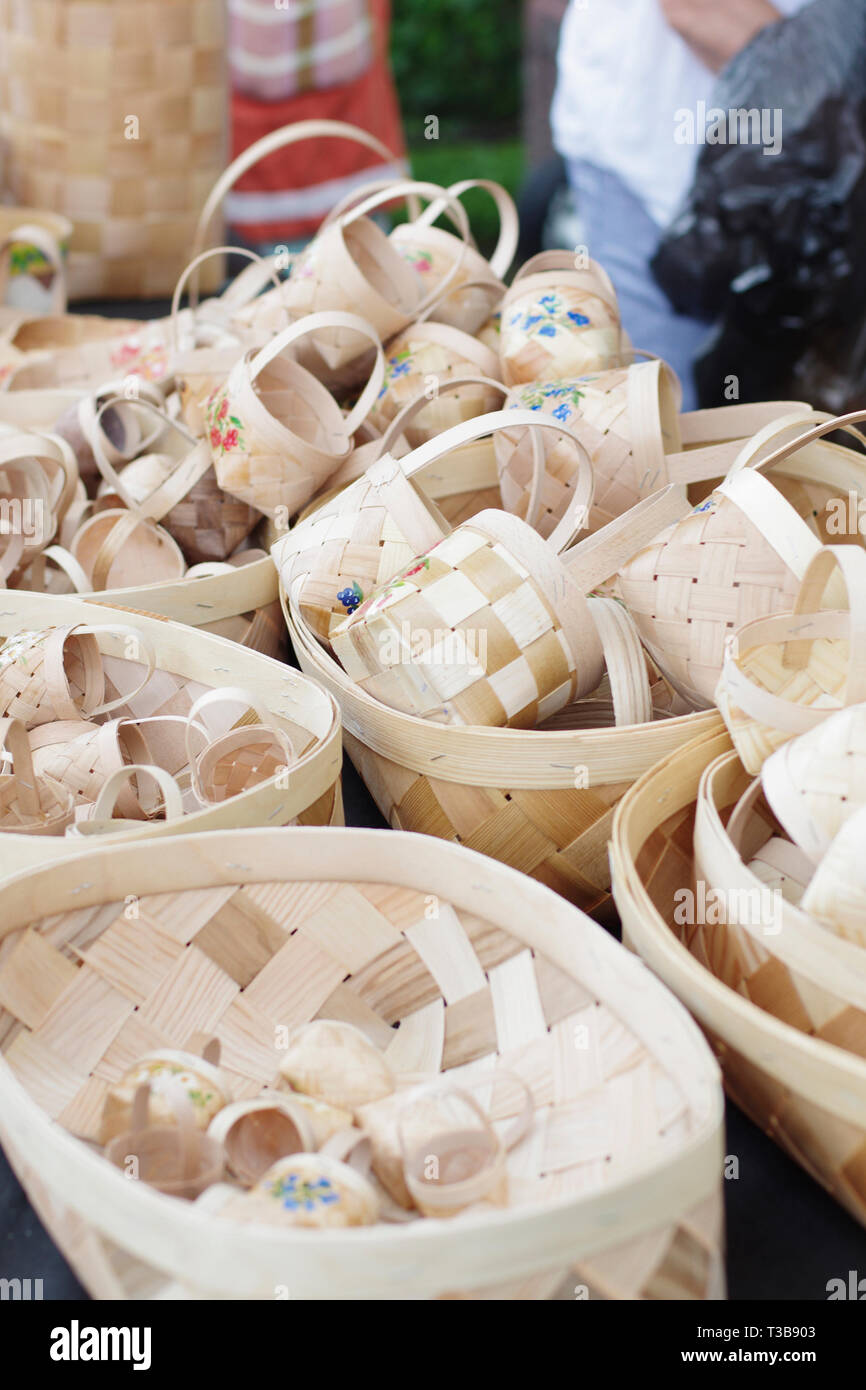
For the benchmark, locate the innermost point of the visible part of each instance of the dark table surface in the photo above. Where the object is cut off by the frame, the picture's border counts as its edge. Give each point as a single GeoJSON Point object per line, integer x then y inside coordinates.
{"type": "Point", "coordinates": [785, 1236]}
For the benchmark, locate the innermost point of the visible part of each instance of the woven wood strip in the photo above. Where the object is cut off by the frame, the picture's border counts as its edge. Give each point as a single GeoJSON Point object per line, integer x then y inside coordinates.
{"type": "Point", "coordinates": [272, 953]}
{"type": "Point", "coordinates": [71, 77]}
{"type": "Point", "coordinates": [810, 1129]}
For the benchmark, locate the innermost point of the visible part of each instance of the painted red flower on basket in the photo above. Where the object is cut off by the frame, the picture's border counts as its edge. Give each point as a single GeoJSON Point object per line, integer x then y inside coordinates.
{"type": "Point", "coordinates": [225, 431]}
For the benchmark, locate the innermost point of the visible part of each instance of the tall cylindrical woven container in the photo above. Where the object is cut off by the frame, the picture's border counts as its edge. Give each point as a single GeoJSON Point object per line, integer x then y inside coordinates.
{"type": "Point", "coordinates": [115, 114]}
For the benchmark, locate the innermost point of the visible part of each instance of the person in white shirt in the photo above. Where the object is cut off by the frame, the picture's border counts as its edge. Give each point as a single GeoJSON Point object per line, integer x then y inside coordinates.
{"type": "Point", "coordinates": [631, 74]}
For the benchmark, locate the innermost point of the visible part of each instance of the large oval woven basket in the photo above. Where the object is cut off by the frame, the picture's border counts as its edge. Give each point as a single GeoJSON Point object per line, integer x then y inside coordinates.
{"type": "Point", "coordinates": [806, 1093]}
{"type": "Point", "coordinates": [240, 602]}
{"type": "Point", "coordinates": [614, 1192]}
{"type": "Point", "coordinates": [188, 663]}
{"type": "Point", "coordinates": [539, 800]}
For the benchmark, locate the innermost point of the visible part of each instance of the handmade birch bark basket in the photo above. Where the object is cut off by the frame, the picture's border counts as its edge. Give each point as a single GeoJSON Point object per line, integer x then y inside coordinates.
{"type": "Point", "coordinates": [806, 1092]}
{"type": "Point", "coordinates": [627, 420]}
{"type": "Point", "coordinates": [772, 952]}
{"type": "Point", "coordinates": [342, 549]}
{"type": "Point", "coordinates": [615, 1187]}
{"type": "Point", "coordinates": [559, 320]}
{"type": "Point", "coordinates": [743, 552]}
{"type": "Point", "coordinates": [539, 800]}
{"type": "Point", "coordinates": [783, 676]}
{"type": "Point", "coordinates": [150, 695]}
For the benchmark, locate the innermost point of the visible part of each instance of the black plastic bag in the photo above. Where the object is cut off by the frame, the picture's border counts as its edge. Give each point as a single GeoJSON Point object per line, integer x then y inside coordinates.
{"type": "Point", "coordinates": [772, 247]}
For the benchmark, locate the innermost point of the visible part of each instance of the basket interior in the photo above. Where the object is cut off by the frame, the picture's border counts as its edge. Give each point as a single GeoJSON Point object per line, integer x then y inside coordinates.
{"type": "Point", "coordinates": [84, 994]}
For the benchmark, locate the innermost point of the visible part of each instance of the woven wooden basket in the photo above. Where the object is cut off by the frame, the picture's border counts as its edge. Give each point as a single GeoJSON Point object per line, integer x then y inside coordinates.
{"type": "Point", "coordinates": [744, 550]}
{"type": "Point", "coordinates": [806, 1093]}
{"type": "Point", "coordinates": [363, 536]}
{"type": "Point", "coordinates": [769, 950]}
{"type": "Point", "coordinates": [422, 359]}
{"type": "Point", "coordinates": [784, 675]}
{"type": "Point", "coordinates": [627, 419]}
{"type": "Point", "coordinates": [188, 663]}
{"type": "Point", "coordinates": [559, 320]}
{"type": "Point", "coordinates": [616, 1192]}
{"type": "Point", "coordinates": [541, 801]}
{"type": "Point", "coordinates": [238, 599]}
{"type": "Point", "coordinates": [115, 116]}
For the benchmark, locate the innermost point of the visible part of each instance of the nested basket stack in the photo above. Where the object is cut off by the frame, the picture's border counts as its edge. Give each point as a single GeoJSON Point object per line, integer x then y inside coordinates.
{"type": "Point", "coordinates": [780, 999]}
{"type": "Point", "coordinates": [114, 115]}
{"type": "Point", "coordinates": [615, 1191]}
{"type": "Point", "coordinates": [187, 664]}
{"type": "Point", "coordinates": [541, 801]}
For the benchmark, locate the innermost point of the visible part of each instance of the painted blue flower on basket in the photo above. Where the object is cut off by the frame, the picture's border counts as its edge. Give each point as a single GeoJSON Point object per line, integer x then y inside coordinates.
{"type": "Point", "coordinates": [548, 316]}
{"type": "Point", "coordinates": [351, 596]}
{"type": "Point", "coordinates": [561, 399]}
{"type": "Point", "coordinates": [302, 1194]}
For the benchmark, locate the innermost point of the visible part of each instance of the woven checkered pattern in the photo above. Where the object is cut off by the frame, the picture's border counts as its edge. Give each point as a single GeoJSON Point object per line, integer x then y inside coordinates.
{"type": "Point", "coordinates": [114, 113]}
{"type": "Point", "coordinates": [700, 580]}
{"type": "Point", "coordinates": [350, 545]}
{"type": "Point", "coordinates": [465, 636]}
{"type": "Point", "coordinates": [417, 363]}
{"type": "Point", "coordinates": [85, 994]}
{"type": "Point", "coordinates": [557, 332]}
{"type": "Point", "coordinates": [431, 254]}
{"type": "Point", "coordinates": [830, 1148]}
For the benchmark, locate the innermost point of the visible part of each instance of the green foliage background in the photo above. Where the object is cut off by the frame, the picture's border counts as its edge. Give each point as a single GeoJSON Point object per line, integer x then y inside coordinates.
{"type": "Point", "coordinates": [459, 60]}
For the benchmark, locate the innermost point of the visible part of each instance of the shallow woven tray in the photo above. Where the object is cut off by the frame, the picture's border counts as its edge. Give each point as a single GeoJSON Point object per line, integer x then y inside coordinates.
{"type": "Point", "coordinates": [188, 662]}
{"type": "Point", "coordinates": [616, 1190]}
{"type": "Point", "coordinates": [807, 1094]}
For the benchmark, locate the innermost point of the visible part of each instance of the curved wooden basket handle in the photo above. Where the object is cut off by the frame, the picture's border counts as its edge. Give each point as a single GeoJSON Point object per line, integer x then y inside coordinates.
{"type": "Point", "coordinates": [826, 424]}
{"type": "Point", "coordinates": [509, 223]}
{"type": "Point", "coordinates": [269, 144]}
{"type": "Point", "coordinates": [312, 323]}
{"type": "Point", "coordinates": [55, 674]}
{"type": "Point", "coordinates": [105, 803]}
{"type": "Point", "coordinates": [31, 235]}
{"type": "Point", "coordinates": [14, 741]}
{"type": "Point", "coordinates": [625, 662]}
{"type": "Point", "coordinates": [228, 694]}
{"type": "Point", "coordinates": [182, 476]}
{"type": "Point", "coordinates": [850, 562]}
{"type": "Point", "coordinates": [239, 292]}
{"type": "Point", "coordinates": [605, 552]}
{"type": "Point", "coordinates": [433, 192]}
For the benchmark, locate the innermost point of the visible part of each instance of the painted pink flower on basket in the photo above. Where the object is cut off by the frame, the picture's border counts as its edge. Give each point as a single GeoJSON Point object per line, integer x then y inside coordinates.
{"type": "Point", "coordinates": [225, 431]}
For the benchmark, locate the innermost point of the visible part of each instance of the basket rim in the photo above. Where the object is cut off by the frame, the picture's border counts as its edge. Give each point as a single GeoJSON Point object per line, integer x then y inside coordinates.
{"type": "Point", "coordinates": [803, 945]}
{"type": "Point", "coordinates": [166, 1233]}
{"type": "Point", "coordinates": [476, 756]}
{"type": "Point", "coordinates": [806, 1066]}
{"type": "Point", "coordinates": [289, 694]}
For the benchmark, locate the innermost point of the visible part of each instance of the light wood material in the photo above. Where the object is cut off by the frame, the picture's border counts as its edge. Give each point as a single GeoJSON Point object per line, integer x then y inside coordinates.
{"type": "Point", "coordinates": [783, 676]}
{"type": "Point", "coordinates": [617, 1186]}
{"type": "Point", "coordinates": [189, 662]}
{"type": "Point", "coordinates": [130, 183]}
{"type": "Point", "coordinates": [559, 319]}
{"type": "Point", "coordinates": [742, 553]}
{"type": "Point", "coordinates": [541, 801]}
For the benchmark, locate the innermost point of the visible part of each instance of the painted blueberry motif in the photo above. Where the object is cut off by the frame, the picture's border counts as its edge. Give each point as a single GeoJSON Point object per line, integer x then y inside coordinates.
{"type": "Point", "coordinates": [351, 596]}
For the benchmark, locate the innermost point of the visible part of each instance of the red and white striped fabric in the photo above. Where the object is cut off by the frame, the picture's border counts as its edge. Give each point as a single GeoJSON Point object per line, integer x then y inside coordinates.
{"type": "Point", "coordinates": [284, 198]}
{"type": "Point", "coordinates": [280, 48]}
